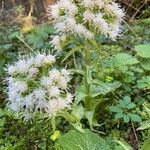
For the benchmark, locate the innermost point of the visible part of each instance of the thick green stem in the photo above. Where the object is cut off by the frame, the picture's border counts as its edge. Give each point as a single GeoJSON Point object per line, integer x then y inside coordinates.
{"type": "Point", "coordinates": [53, 122]}
{"type": "Point", "coordinates": [87, 84]}
{"type": "Point", "coordinates": [69, 117]}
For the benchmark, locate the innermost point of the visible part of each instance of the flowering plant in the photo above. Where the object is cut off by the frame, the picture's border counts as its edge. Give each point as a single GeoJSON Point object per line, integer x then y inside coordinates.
{"type": "Point", "coordinates": [86, 19]}
{"type": "Point", "coordinates": [79, 22]}
{"type": "Point", "coordinates": [34, 85]}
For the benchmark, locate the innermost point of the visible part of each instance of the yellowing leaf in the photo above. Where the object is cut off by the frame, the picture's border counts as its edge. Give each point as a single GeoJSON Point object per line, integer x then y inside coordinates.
{"type": "Point", "coordinates": [55, 136]}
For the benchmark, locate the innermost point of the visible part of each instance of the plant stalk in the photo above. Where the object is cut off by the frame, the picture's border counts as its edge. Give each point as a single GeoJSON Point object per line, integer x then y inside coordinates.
{"type": "Point", "coordinates": [87, 84]}
{"type": "Point", "coordinates": [69, 117]}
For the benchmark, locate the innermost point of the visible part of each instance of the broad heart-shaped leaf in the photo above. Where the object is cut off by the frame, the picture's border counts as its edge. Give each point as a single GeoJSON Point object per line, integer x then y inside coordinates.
{"type": "Point", "coordinates": [124, 59]}
{"type": "Point", "coordinates": [143, 51]}
{"type": "Point", "coordinates": [76, 140]}
{"type": "Point", "coordinates": [146, 145]}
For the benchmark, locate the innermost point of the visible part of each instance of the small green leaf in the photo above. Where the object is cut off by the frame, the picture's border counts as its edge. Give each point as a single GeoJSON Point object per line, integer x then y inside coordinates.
{"type": "Point", "coordinates": [119, 115]}
{"type": "Point", "coordinates": [127, 100]}
{"type": "Point", "coordinates": [122, 104]}
{"type": "Point", "coordinates": [115, 109]}
{"type": "Point", "coordinates": [126, 118]}
{"type": "Point", "coordinates": [135, 118]}
{"type": "Point", "coordinates": [131, 106]}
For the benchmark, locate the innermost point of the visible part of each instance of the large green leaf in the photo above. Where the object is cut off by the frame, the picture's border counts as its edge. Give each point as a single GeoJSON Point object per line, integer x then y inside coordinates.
{"type": "Point", "coordinates": [124, 145]}
{"type": "Point", "coordinates": [87, 140]}
{"type": "Point", "coordinates": [146, 145]}
{"type": "Point", "coordinates": [145, 63]}
{"type": "Point", "coordinates": [143, 51]}
{"type": "Point", "coordinates": [104, 88]}
{"type": "Point", "coordinates": [124, 59]}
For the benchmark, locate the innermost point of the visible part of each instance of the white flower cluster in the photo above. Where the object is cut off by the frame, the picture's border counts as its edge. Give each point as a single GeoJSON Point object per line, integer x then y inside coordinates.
{"type": "Point", "coordinates": [35, 86]}
{"type": "Point", "coordinates": [86, 18]}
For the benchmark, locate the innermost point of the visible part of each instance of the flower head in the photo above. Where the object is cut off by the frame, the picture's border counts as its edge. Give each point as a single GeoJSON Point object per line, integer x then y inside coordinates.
{"type": "Point", "coordinates": [86, 18]}
{"type": "Point", "coordinates": [39, 89]}
{"type": "Point", "coordinates": [33, 72]}
{"type": "Point", "coordinates": [56, 42]}
{"type": "Point", "coordinates": [11, 69]}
